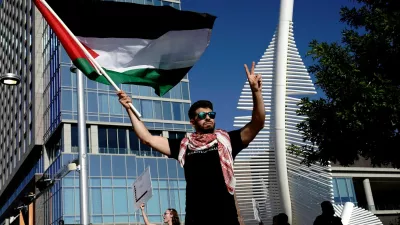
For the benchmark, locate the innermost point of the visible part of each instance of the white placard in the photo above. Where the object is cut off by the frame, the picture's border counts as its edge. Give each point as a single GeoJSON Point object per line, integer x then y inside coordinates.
{"type": "Point", "coordinates": [142, 189]}
{"type": "Point", "coordinates": [256, 210]}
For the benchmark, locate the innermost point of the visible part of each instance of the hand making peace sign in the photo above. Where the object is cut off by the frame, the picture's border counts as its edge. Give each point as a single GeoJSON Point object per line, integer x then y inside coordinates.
{"type": "Point", "coordinates": [255, 80]}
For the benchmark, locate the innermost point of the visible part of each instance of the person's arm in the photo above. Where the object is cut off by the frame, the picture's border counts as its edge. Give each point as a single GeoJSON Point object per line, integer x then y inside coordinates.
{"type": "Point", "coordinates": [250, 130]}
{"type": "Point", "coordinates": [146, 220]}
{"type": "Point", "coordinates": [158, 143]}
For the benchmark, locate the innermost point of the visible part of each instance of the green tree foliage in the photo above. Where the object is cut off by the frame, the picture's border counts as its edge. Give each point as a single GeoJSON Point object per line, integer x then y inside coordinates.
{"type": "Point", "coordinates": [360, 115]}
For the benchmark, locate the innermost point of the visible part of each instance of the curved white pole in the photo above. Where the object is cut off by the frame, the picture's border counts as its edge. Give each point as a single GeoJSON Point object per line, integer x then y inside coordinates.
{"type": "Point", "coordinates": [281, 54]}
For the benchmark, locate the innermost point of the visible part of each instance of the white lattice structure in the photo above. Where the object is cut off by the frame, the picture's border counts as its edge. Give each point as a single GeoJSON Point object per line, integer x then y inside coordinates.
{"type": "Point", "coordinates": [265, 171]}
{"type": "Point", "coordinates": [358, 216]}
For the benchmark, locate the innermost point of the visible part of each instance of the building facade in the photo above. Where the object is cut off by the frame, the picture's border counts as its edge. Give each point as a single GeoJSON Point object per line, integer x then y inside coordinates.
{"type": "Point", "coordinates": [374, 189]}
{"type": "Point", "coordinates": [41, 136]}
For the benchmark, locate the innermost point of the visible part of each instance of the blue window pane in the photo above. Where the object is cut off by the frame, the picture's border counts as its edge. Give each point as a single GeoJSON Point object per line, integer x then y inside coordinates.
{"type": "Point", "coordinates": [135, 90]}
{"type": "Point", "coordinates": [172, 168]}
{"type": "Point", "coordinates": [64, 56]}
{"type": "Point", "coordinates": [77, 201]}
{"type": "Point", "coordinates": [74, 101]}
{"type": "Point", "coordinates": [162, 168]}
{"type": "Point", "coordinates": [147, 108]}
{"type": "Point", "coordinates": [103, 103]}
{"type": "Point", "coordinates": [68, 182]}
{"type": "Point", "coordinates": [152, 163]}
{"type": "Point", "coordinates": [149, 2]}
{"type": "Point", "coordinates": [122, 138]}
{"type": "Point", "coordinates": [69, 220]}
{"type": "Point", "coordinates": [102, 137]}
{"type": "Point", "coordinates": [120, 203]}
{"type": "Point", "coordinates": [108, 219]}
{"type": "Point", "coordinates": [185, 90]}
{"type": "Point", "coordinates": [94, 165]}
{"type": "Point", "coordinates": [182, 184]}
{"type": "Point", "coordinates": [115, 106]}
{"type": "Point", "coordinates": [182, 201]}
{"type": "Point", "coordinates": [130, 201]}
{"type": "Point", "coordinates": [177, 110]}
{"type": "Point", "coordinates": [68, 201]}
{"type": "Point", "coordinates": [118, 165]}
{"type": "Point", "coordinates": [136, 104]}
{"type": "Point", "coordinates": [121, 219]}
{"type": "Point", "coordinates": [66, 79]}
{"type": "Point", "coordinates": [157, 2]}
{"type": "Point", "coordinates": [95, 182]}
{"type": "Point", "coordinates": [174, 197]}
{"type": "Point", "coordinates": [342, 187]}
{"type": "Point", "coordinates": [66, 100]}
{"type": "Point", "coordinates": [92, 102]}
{"type": "Point", "coordinates": [140, 166]}
{"type": "Point", "coordinates": [181, 172]}
{"type": "Point", "coordinates": [96, 200]}
{"type": "Point", "coordinates": [133, 141]}
{"type": "Point", "coordinates": [107, 201]}
{"type": "Point", "coordinates": [106, 165]}
{"type": "Point", "coordinates": [112, 138]}
{"type": "Point", "coordinates": [167, 112]}
{"type": "Point", "coordinates": [144, 91]}
{"type": "Point", "coordinates": [96, 219]}
{"type": "Point", "coordinates": [119, 182]}
{"type": "Point", "coordinates": [131, 166]}
{"type": "Point", "coordinates": [157, 110]}
{"type": "Point", "coordinates": [350, 188]}
{"type": "Point", "coordinates": [106, 182]}
{"type": "Point", "coordinates": [153, 205]}
{"type": "Point", "coordinates": [164, 199]}
{"type": "Point", "coordinates": [163, 183]}
{"type": "Point", "coordinates": [91, 84]}
{"type": "Point", "coordinates": [186, 107]}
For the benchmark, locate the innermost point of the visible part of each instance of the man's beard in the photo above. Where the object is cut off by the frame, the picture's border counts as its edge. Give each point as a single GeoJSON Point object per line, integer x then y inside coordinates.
{"type": "Point", "coordinates": [206, 130]}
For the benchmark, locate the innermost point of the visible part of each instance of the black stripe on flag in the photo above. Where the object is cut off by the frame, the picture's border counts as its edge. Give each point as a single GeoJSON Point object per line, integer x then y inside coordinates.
{"type": "Point", "coordinates": [106, 19]}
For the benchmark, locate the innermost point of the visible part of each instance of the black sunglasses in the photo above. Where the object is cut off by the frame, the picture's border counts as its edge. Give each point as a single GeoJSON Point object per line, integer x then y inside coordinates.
{"type": "Point", "coordinates": [203, 115]}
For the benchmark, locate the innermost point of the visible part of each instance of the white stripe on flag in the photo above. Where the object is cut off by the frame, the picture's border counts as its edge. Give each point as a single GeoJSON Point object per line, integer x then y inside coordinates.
{"type": "Point", "coordinates": [173, 50]}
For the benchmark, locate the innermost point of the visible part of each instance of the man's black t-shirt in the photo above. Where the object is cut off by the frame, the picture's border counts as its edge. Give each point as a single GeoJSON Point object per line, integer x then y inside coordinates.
{"type": "Point", "coordinates": [207, 198]}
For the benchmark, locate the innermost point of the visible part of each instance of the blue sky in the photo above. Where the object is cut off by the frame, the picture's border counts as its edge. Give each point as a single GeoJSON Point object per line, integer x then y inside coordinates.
{"type": "Point", "coordinates": [242, 32]}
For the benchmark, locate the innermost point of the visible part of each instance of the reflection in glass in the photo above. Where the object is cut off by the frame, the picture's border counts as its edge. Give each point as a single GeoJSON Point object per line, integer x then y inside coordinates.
{"type": "Point", "coordinates": [106, 165]}
{"type": "Point", "coordinates": [177, 110]}
{"type": "Point", "coordinates": [167, 110]}
{"type": "Point", "coordinates": [95, 201]}
{"type": "Point", "coordinates": [107, 201]}
{"type": "Point", "coordinates": [118, 163]}
{"type": "Point", "coordinates": [103, 103]}
{"type": "Point", "coordinates": [120, 203]}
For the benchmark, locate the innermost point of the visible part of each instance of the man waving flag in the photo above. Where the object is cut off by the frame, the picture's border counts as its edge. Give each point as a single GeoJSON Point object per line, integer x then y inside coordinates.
{"type": "Point", "coordinates": [134, 44]}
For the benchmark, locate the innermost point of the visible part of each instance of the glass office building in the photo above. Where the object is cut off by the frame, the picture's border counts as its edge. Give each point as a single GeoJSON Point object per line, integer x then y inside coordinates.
{"type": "Point", "coordinates": [111, 196]}
{"type": "Point", "coordinates": [116, 156]}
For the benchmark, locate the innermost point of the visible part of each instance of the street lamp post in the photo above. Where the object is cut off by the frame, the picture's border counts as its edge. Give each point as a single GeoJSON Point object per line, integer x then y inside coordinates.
{"type": "Point", "coordinates": [83, 177]}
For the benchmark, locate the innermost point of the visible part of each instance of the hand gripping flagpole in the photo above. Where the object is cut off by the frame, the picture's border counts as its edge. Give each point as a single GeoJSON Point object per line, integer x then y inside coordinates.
{"type": "Point", "coordinates": [92, 60]}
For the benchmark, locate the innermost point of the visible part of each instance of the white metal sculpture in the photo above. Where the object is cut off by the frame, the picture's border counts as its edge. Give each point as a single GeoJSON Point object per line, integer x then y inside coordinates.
{"type": "Point", "coordinates": [352, 215]}
{"type": "Point", "coordinates": [265, 170]}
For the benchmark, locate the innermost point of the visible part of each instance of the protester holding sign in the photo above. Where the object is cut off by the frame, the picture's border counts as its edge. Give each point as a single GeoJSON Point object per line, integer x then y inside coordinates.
{"type": "Point", "coordinates": [207, 156]}
{"type": "Point", "coordinates": [170, 217]}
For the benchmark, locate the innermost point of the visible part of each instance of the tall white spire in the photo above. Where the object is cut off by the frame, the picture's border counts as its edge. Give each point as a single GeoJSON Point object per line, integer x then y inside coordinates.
{"type": "Point", "coordinates": [292, 188]}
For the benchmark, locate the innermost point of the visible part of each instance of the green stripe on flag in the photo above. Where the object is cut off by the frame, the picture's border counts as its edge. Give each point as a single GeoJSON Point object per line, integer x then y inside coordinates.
{"type": "Point", "coordinates": [161, 80]}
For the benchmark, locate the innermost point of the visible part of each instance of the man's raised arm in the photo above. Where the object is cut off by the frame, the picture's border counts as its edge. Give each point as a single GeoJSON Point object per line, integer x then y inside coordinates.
{"type": "Point", "coordinates": [249, 132]}
{"type": "Point", "coordinates": [158, 143]}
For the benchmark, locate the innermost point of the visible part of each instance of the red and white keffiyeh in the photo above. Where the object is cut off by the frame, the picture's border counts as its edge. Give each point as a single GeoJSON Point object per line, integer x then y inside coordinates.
{"type": "Point", "coordinates": [195, 142]}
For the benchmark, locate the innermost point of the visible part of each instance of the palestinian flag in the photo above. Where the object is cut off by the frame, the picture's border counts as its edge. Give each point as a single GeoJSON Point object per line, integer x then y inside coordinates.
{"type": "Point", "coordinates": [135, 44]}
